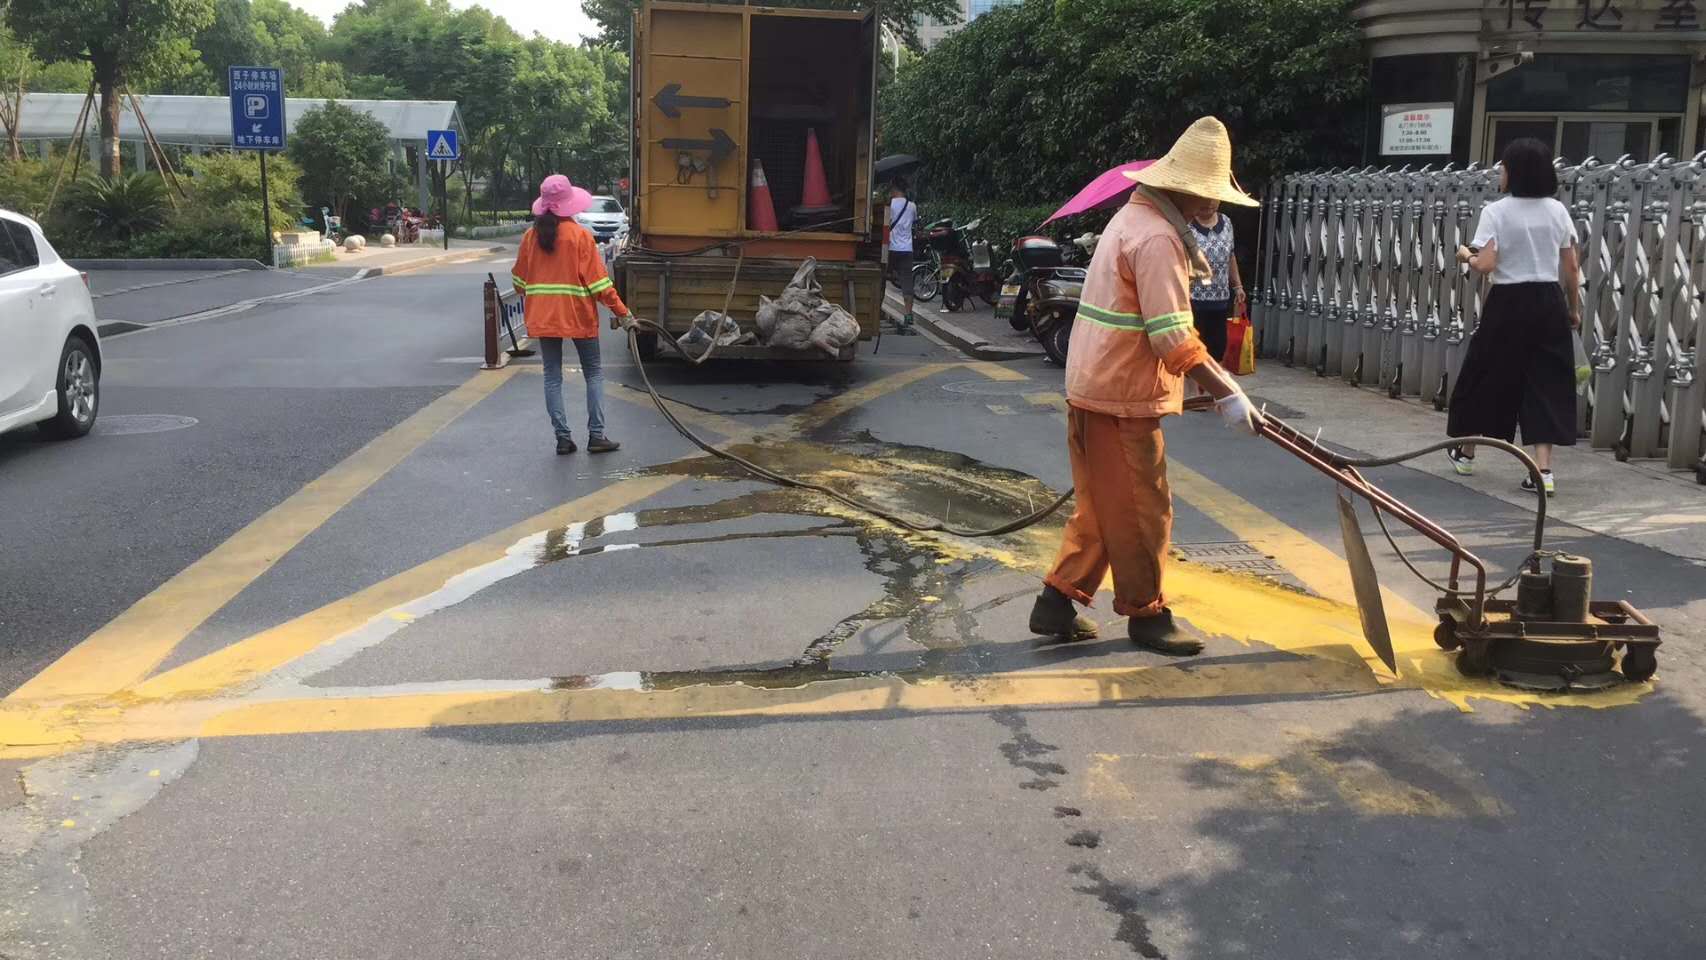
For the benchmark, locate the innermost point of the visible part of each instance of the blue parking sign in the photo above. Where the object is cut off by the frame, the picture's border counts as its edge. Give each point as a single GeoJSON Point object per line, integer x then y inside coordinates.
{"type": "Point", "coordinates": [257, 108]}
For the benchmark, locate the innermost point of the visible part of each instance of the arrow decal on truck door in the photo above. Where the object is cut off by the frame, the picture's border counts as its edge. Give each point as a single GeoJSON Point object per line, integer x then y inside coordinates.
{"type": "Point", "coordinates": [719, 145]}
{"type": "Point", "coordinates": [670, 100]}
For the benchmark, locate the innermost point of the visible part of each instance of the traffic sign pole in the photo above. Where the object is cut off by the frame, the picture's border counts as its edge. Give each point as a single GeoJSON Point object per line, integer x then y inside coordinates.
{"type": "Point", "coordinates": [444, 197]}
{"type": "Point", "coordinates": [266, 207]}
{"type": "Point", "coordinates": [257, 123]}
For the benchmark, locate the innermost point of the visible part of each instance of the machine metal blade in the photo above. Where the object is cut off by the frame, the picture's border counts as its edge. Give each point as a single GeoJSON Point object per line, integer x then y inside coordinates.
{"type": "Point", "coordinates": [1366, 583]}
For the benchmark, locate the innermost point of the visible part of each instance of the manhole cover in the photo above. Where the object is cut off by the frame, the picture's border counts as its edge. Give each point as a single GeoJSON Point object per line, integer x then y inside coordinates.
{"type": "Point", "coordinates": [993, 388]}
{"type": "Point", "coordinates": [128, 423]}
{"type": "Point", "coordinates": [1237, 556]}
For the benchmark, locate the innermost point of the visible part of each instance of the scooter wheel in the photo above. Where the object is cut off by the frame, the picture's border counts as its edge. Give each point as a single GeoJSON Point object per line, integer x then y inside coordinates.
{"type": "Point", "coordinates": [1445, 634]}
{"type": "Point", "coordinates": [1057, 340]}
{"type": "Point", "coordinates": [1639, 663]}
{"type": "Point", "coordinates": [1018, 321]}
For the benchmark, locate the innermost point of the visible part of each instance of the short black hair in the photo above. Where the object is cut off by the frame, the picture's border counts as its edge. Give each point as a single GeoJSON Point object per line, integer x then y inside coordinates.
{"type": "Point", "coordinates": [1528, 167]}
{"type": "Point", "coordinates": [898, 183]}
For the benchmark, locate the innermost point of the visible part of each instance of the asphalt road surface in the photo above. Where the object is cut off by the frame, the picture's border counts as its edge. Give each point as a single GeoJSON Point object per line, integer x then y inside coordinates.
{"type": "Point", "coordinates": [315, 650]}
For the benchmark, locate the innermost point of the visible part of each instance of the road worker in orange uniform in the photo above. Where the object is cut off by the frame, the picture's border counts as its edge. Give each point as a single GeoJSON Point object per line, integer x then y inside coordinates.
{"type": "Point", "coordinates": [561, 278]}
{"type": "Point", "coordinates": [1133, 343]}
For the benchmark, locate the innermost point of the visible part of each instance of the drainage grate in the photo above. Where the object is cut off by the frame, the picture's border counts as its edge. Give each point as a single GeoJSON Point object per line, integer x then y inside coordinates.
{"type": "Point", "coordinates": [1236, 556]}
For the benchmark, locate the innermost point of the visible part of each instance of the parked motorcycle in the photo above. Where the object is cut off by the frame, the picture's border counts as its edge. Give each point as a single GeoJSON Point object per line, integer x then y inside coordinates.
{"type": "Point", "coordinates": [1042, 294]}
{"type": "Point", "coordinates": [967, 269]}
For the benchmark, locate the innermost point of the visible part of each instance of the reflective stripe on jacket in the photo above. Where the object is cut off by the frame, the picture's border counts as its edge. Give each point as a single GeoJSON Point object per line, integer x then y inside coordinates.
{"type": "Point", "coordinates": [563, 287]}
{"type": "Point", "coordinates": [1134, 337]}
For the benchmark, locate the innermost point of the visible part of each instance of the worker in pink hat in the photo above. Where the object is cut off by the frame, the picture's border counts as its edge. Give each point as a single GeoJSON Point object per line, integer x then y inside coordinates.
{"type": "Point", "coordinates": [562, 280]}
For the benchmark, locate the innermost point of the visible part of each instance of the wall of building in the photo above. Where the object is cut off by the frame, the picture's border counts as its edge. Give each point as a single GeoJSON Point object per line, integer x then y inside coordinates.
{"type": "Point", "coordinates": [1594, 77]}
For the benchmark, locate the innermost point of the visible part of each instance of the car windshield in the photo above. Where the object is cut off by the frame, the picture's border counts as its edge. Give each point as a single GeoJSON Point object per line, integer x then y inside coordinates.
{"type": "Point", "coordinates": [604, 205]}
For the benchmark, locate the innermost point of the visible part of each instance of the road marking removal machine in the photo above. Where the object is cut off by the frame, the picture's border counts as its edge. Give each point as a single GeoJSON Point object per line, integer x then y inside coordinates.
{"type": "Point", "coordinates": [1552, 637]}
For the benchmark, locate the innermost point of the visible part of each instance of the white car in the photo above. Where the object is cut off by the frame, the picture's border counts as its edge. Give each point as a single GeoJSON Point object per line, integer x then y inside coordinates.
{"type": "Point", "coordinates": [605, 218]}
{"type": "Point", "coordinates": [50, 354]}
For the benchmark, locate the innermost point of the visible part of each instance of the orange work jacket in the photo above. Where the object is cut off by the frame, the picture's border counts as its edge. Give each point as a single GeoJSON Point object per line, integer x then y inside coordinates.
{"type": "Point", "coordinates": [561, 288]}
{"type": "Point", "coordinates": [1134, 338]}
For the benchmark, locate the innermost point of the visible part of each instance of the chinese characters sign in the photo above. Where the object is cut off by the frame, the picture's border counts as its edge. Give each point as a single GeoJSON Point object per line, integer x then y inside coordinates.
{"type": "Point", "coordinates": [1416, 128]}
{"type": "Point", "coordinates": [257, 108]}
{"type": "Point", "coordinates": [1601, 15]}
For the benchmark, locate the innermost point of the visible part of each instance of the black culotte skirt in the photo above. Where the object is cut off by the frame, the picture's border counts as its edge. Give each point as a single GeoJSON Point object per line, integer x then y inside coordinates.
{"type": "Point", "coordinates": [1520, 369]}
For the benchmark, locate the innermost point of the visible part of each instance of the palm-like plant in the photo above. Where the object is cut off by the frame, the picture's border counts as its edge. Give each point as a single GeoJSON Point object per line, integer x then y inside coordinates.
{"type": "Point", "coordinates": [121, 207]}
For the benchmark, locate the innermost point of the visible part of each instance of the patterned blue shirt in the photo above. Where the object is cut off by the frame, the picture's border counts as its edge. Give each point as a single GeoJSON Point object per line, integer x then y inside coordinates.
{"type": "Point", "coordinates": [1216, 244]}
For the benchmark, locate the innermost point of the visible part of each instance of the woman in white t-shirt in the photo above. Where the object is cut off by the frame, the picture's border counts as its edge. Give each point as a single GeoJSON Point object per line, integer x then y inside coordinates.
{"type": "Point", "coordinates": [1521, 368]}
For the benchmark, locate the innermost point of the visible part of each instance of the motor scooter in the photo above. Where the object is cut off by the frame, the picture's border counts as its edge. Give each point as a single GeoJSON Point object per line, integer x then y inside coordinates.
{"type": "Point", "coordinates": [1042, 294]}
{"type": "Point", "coordinates": [967, 268]}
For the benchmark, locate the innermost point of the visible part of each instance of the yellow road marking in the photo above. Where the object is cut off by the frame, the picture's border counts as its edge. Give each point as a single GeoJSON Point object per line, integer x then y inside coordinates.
{"type": "Point", "coordinates": [1054, 400]}
{"type": "Point", "coordinates": [137, 640]}
{"type": "Point", "coordinates": [274, 648]}
{"type": "Point", "coordinates": [173, 720]}
{"type": "Point", "coordinates": [1000, 408]}
{"type": "Point", "coordinates": [826, 410]}
{"type": "Point", "coordinates": [996, 371]}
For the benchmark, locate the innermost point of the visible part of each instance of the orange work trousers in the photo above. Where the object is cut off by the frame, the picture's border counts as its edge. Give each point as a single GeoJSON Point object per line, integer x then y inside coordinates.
{"type": "Point", "coordinates": [1124, 513]}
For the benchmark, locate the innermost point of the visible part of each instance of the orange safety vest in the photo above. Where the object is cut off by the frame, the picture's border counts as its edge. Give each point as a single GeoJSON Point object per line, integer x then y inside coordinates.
{"type": "Point", "coordinates": [563, 287]}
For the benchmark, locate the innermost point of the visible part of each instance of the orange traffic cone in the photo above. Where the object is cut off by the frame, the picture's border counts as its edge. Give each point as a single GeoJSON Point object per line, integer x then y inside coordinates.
{"type": "Point", "coordinates": [760, 209]}
{"type": "Point", "coordinates": [815, 198]}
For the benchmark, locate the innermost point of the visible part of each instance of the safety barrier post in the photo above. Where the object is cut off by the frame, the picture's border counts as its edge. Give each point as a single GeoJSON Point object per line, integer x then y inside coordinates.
{"type": "Point", "coordinates": [489, 300]}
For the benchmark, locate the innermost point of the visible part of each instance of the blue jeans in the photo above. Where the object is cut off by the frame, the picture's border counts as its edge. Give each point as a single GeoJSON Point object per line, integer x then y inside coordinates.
{"type": "Point", "coordinates": [592, 369]}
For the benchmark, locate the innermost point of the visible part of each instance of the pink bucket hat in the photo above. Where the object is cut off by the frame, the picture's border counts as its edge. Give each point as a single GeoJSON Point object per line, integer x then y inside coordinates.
{"type": "Point", "coordinates": [560, 197]}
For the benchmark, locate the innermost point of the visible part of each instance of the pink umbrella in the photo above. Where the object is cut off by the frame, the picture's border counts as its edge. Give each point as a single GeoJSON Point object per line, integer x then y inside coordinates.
{"type": "Point", "coordinates": [1107, 190]}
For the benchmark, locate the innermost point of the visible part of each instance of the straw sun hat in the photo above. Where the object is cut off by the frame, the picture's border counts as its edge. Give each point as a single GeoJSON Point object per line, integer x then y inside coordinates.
{"type": "Point", "coordinates": [1199, 164]}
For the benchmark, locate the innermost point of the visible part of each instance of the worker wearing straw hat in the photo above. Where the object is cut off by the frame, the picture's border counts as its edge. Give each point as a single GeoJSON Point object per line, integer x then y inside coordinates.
{"type": "Point", "coordinates": [1133, 344]}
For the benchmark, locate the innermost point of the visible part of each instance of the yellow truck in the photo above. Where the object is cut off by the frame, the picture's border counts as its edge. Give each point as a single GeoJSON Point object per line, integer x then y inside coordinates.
{"type": "Point", "coordinates": [719, 92]}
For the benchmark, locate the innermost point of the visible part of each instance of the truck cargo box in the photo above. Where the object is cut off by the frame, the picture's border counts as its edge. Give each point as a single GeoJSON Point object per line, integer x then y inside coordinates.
{"type": "Point", "coordinates": [718, 89]}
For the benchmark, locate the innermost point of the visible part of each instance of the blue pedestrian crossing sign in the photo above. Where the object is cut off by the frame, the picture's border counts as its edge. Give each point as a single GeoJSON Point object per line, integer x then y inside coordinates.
{"type": "Point", "coordinates": [442, 145]}
{"type": "Point", "coordinates": [257, 108]}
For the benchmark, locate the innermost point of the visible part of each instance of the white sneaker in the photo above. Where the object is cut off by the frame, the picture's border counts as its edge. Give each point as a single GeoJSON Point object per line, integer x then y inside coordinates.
{"type": "Point", "coordinates": [1465, 466]}
{"type": "Point", "coordinates": [1545, 479]}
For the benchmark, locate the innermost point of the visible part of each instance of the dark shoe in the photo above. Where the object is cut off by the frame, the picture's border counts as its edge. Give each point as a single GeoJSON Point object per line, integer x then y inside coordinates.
{"type": "Point", "coordinates": [566, 445]}
{"type": "Point", "coordinates": [1054, 616]}
{"type": "Point", "coordinates": [1160, 634]}
{"type": "Point", "coordinates": [602, 445]}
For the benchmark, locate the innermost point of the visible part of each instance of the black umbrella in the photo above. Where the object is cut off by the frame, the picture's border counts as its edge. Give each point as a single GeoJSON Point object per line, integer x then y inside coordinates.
{"type": "Point", "coordinates": [897, 165]}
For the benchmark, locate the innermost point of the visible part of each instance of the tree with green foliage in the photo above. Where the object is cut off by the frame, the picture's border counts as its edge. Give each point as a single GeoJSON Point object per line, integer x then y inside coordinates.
{"type": "Point", "coordinates": [120, 39]}
{"type": "Point", "coordinates": [1030, 102]}
{"type": "Point", "coordinates": [344, 155]}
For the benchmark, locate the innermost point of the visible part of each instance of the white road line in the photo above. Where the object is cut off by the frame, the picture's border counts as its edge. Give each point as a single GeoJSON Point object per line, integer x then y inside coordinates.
{"type": "Point", "coordinates": [243, 305]}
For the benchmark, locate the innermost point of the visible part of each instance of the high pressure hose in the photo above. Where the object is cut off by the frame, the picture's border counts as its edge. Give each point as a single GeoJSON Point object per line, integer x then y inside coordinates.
{"type": "Point", "coordinates": [1338, 460]}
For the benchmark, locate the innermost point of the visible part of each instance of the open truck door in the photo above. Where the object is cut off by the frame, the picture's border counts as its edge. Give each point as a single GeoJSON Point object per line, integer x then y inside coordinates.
{"type": "Point", "coordinates": [717, 89]}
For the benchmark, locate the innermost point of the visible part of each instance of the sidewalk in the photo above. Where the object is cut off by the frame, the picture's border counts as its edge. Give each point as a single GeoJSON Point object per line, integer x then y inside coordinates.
{"type": "Point", "coordinates": [1639, 501]}
{"type": "Point", "coordinates": [974, 329]}
{"type": "Point", "coordinates": [377, 260]}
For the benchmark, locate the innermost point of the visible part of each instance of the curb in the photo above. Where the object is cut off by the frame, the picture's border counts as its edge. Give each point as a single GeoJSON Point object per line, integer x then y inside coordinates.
{"type": "Point", "coordinates": [166, 264]}
{"type": "Point", "coordinates": [958, 337]}
{"type": "Point", "coordinates": [456, 256]}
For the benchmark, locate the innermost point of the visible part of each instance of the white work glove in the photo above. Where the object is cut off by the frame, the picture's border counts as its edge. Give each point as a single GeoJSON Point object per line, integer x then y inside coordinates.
{"type": "Point", "coordinates": [621, 323]}
{"type": "Point", "coordinates": [1238, 413]}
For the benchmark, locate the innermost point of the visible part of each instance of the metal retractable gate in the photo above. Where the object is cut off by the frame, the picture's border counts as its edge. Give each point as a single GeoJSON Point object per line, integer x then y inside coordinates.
{"type": "Point", "coordinates": [1357, 278]}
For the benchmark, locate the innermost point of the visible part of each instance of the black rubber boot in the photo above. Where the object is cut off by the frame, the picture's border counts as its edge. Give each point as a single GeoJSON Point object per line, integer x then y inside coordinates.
{"type": "Point", "coordinates": [602, 445]}
{"type": "Point", "coordinates": [566, 445]}
{"type": "Point", "coordinates": [1054, 616]}
{"type": "Point", "coordinates": [1160, 634]}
